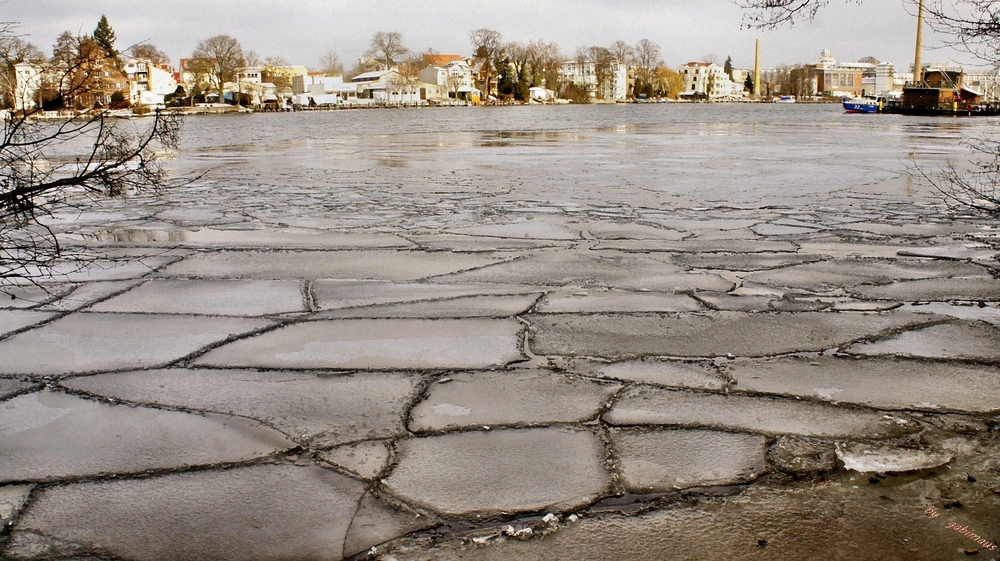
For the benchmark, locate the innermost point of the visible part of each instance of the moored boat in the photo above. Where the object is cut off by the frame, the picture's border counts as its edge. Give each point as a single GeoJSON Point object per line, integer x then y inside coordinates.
{"type": "Point", "coordinates": [861, 105]}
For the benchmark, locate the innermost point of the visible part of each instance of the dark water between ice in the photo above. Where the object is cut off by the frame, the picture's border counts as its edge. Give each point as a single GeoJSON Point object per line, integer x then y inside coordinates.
{"type": "Point", "coordinates": [449, 166]}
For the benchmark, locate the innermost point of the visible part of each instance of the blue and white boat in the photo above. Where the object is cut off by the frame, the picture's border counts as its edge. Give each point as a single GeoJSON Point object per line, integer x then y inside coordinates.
{"type": "Point", "coordinates": [861, 105]}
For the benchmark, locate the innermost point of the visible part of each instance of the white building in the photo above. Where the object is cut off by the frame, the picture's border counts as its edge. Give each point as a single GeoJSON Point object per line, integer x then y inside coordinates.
{"type": "Point", "coordinates": [454, 79]}
{"type": "Point", "coordinates": [583, 75]}
{"type": "Point", "coordinates": [148, 83]}
{"type": "Point", "coordinates": [27, 86]}
{"type": "Point", "coordinates": [707, 80]}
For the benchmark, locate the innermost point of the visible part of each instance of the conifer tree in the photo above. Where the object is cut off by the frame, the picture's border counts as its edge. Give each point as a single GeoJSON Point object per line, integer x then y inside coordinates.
{"type": "Point", "coordinates": [105, 37]}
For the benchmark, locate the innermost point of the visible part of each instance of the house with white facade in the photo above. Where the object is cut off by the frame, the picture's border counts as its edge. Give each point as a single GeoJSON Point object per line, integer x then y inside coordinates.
{"type": "Point", "coordinates": [27, 86]}
{"type": "Point", "coordinates": [454, 80]}
{"type": "Point", "coordinates": [149, 84]}
{"type": "Point", "coordinates": [706, 80]}
{"type": "Point", "coordinates": [583, 75]}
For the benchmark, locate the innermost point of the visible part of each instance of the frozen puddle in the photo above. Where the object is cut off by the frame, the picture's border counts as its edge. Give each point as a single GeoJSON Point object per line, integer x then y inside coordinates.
{"type": "Point", "coordinates": [376, 344]}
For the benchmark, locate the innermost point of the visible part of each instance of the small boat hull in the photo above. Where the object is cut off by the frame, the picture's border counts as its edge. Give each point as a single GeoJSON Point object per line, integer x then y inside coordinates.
{"type": "Point", "coordinates": [861, 106]}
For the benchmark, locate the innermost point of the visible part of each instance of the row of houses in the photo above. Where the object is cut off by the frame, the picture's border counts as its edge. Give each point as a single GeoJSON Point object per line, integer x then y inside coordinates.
{"type": "Point", "coordinates": [452, 78]}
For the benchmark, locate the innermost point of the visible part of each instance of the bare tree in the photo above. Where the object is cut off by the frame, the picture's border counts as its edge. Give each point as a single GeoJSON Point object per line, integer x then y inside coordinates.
{"type": "Point", "coordinates": [488, 46]}
{"type": "Point", "coordinates": [545, 59]}
{"type": "Point", "coordinates": [772, 13]}
{"type": "Point", "coordinates": [623, 52]}
{"type": "Point", "coordinates": [148, 52]}
{"type": "Point", "coordinates": [979, 189]}
{"type": "Point", "coordinates": [222, 55]}
{"type": "Point", "coordinates": [387, 47]}
{"type": "Point", "coordinates": [603, 62]}
{"type": "Point", "coordinates": [330, 64]}
{"type": "Point", "coordinates": [45, 165]}
{"type": "Point", "coordinates": [647, 60]}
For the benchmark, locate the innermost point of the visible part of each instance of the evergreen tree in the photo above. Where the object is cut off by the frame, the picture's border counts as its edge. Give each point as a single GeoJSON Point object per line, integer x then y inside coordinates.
{"type": "Point", "coordinates": [748, 84]}
{"type": "Point", "coordinates": [729, 67]}
{"type": "Point", "coordinates": [105, 37]}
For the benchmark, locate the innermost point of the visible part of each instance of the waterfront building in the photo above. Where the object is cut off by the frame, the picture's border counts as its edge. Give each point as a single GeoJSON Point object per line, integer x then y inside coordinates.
{"type": "Point", "coordinates": [148, 83]}
{"type": "Point", "coordinates": [584, 75]}
{"type": "Point", "coordinates": [27, 86]}
{"type": "Point", "coordinates": [706, 80]}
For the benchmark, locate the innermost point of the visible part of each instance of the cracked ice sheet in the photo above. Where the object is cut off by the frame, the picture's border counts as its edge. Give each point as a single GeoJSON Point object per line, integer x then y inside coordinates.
{"type": "Point", "coordinates": [526, 229]}
{"type": "Point", "coordinates": [88, 293]}
{"type": "Point", "coordinates": [708, 334]}
{"type": "Point", "coordinates": [337, 294]}
{"type": "Point", "coordinates": [959, 340]}
{"type": "Point", "coordinates": [258, 512]}
{"type": "Point", "coordinates": [48, 436]}
{"type": "Point", "coordinates": [846, 273]}
{"type": "Point", "coordinates": [376, 344]}
{"type": "Point", "coordinates": [12, 320]}
{"type": "Point", "coordinates": [103, 270]}
{"type": "Point", "coordinates": [323, 411]}
{"type": "Point", "coordinates": [974, 289]}
{"type": "Point", "coordinates": [373, 264]}
{"type": "Point", "coordinates": [256, 238]}
{"type": "Point", "coordinates": [878, 382]}
{"type": "Point", "coordinates": [88, 342]}
{"type": "Point", "coordinates": [753, 414]}
{"type": "Point", "coordinates": [509, 398]}
{"type": "Point", "coordinates": [209, 297]}
{"type": "Point", "coordinates": [464, 307]}
{"type": "Point", "coordinates": [501, 471]}
{"type": "Point", "coordinates": [589, 301]}
{"type": "Point", "coordinates": [11, 387]}
{"type": "Point", "coordinates": [559, 268]}
{"type": "Point", "coordinates": [651, 371]}
{"type": "Point", "coordinates": [664, 460]}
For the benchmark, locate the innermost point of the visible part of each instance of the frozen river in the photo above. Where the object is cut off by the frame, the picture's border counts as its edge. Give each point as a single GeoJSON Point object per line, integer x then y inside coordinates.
{"type": "Point", "coordinates": [608, 332]}
{"type": "Point", "coordinates": [404, 166]}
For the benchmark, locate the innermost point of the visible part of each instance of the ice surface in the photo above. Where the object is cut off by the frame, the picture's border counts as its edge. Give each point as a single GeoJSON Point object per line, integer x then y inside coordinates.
{"type": "Point", "coordinates": [865, 457]}
{"type": "Point", "coordinates": [367, 458]}
{"type": "Point", "coordinates": [960, 340]}
{"type": "Point", "coordinates": [590, 301]}
{"type": "Point", "coordinates": [665, 460]}
{"type": "Point", "coordinates": [321, 410]}
{"type": "Point", "coordinates": [501, 471]}
{"type": "Point", "coordinates": [258, 512]}
{"type": "Point", "coordinates": [376, 344]}
{"type": "Point", "coordinates": [753, 414]}
{"type": "Point", "coordinates": [878, 382]}
{"type": "Point", "coordinates": [348, 264]}
{"type": "Point", "coordinates": [707, 335]}
{"type": "Point", "coordinates": [47, 436]}
{"type": "Point", "coordinates": [337, 294]}
{"type": "Point", "coordinates": [509, 398]}
{"type": "Point", "coordinates": [88, 342]}
{"type": "Point", "coordinates": [12, 320]}
{"type": "Point", "coordinates": [463, 307]}
{"type": "Point", "coordinates": [660, 372]}
{"type": "Point", "coordinates": [209, 297]}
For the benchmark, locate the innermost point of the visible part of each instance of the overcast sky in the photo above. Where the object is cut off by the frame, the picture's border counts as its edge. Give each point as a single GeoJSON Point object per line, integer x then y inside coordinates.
{"type": "Point", "coordinates": [301, 31]}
